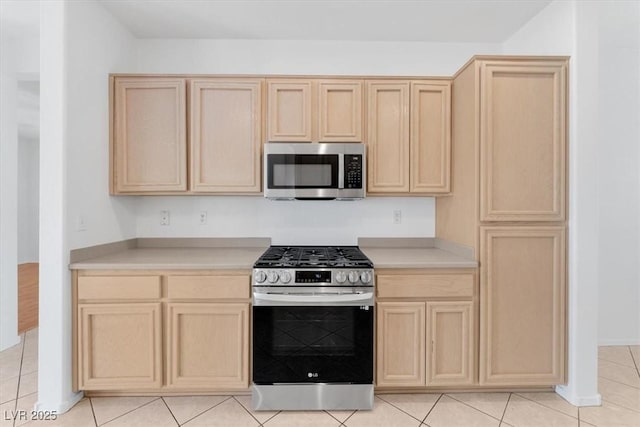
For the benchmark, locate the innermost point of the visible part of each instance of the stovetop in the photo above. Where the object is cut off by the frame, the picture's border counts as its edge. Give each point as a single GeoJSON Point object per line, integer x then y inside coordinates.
{"type": "Point", "coordinates": [313, 257]}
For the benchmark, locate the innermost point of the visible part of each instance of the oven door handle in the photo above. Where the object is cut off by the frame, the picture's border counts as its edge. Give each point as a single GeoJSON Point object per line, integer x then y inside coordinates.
{"type": "Point", "coordinates": [365, 298]}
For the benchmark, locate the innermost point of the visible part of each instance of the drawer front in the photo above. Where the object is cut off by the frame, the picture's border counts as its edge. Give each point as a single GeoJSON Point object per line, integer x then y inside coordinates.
{"type": "Point", "coordinates": [118, 287]}
{"type": "Point", "coordinates": [209, 287]}
{"type": "Point", "coordinates": [425, 285]}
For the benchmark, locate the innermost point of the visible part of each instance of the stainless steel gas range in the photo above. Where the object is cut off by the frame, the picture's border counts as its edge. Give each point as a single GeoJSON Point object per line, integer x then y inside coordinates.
{"type": "Point", "coordinates": [313, 315]}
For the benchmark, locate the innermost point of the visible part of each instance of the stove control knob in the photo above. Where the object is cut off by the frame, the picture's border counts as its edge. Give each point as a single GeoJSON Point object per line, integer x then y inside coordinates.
{"type": "Point", "coordinates": [353, 276]}
{"type": "Point", "coordinates": [272, 276]}
{"type": "Point", "coordinates": [341, 277]}
{"type": "Point", "coordinates": [260, 276]}
{"type": "Point", "coordinates": [285, 277]}
{"type": "Point", "coordinates": [365, 277]}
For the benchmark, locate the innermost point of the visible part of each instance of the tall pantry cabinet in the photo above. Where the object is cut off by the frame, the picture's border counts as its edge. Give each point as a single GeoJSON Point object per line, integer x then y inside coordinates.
{"type": "Point", "coordinates": [508, 203]}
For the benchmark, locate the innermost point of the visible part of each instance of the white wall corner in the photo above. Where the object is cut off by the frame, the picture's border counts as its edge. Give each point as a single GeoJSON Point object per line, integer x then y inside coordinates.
{"type": "Point", "coordinates": [569, 394]}
{"type": "Point", "coordinates": [61, 407]}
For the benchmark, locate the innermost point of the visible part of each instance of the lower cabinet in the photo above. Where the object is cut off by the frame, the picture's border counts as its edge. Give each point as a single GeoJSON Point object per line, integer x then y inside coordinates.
{"type": "Point", "coordinates": [162, 332]}
{"type": "Point", "coordinates": [120, 346]}
{"type": "Point", "coordinates": [207, 345]}
{"type": "Point", "coordinates": [426, 343]}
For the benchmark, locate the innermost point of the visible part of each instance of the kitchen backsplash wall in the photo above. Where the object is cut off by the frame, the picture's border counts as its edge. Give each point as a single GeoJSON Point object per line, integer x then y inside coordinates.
{"type": "Point", "coordinates": [287, 222]}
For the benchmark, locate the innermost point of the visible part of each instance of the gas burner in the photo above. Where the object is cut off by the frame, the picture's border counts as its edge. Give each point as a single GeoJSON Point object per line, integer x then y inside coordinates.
{"type": "Point", "coordinates": [313, 257]}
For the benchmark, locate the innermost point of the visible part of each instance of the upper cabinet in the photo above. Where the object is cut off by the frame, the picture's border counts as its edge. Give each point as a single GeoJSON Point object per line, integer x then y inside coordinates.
{"type": "Point", "coordinates": [388, 136]}
{"type": "Point", "coordinates": [523, 141]}
{"type": "Point", "coordinates": [149, 139]}
{"type": "Point", "coordinates": [289, 111]}
{"type": "Point", "coordinates": [312, 110]}
{"type": "Point", "coordinates": [150, 147]}
{"type": "Point", "coordinates": [409, 136]}
{"type": "Point", "coordinates": [225, 135]}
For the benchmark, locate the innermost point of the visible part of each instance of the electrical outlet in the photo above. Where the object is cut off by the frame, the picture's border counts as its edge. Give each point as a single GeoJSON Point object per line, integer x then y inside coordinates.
{"type": "Point", "coordinates": [81, 225]}
{"type": "Point", "coordinates": [203, 217]}
{"type": "Point", "coordinates": [397, 216]}
{"type": "Point", "coordinates": [164, 217]}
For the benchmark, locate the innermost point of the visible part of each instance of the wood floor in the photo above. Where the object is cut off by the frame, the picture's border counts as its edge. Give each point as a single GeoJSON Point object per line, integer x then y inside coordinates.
{"type": "Point", "coordinates": [27, 296]}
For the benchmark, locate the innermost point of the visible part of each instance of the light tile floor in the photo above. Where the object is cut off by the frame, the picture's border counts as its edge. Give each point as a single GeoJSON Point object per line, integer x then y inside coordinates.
{"type": "Point", "coordinates": [619, 383]}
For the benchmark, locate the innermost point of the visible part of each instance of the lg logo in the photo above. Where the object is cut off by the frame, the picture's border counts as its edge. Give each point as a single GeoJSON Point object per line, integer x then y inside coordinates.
{"type": "Point", "coordinates": [312, 375]}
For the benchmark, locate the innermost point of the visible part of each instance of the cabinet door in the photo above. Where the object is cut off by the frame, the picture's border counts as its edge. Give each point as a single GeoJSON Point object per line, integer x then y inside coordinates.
{"type": "Point", "coordinates": [149, 138]}
{"type": "Point", "coordinates": [208, 345]}
{"type": "Point", "coordinates": [522, 311]}
{"type": "Point", "coordinates": [450, 343]}
{"type": "Point", "coordinates": [225, 135]}
{"type": "Point", "coordinates": [430, 137]}
{"type": "Point", "coordinates": [401, 344]}
{"type": "Point", "coordinates": [120, 346]}
{"type": "Point", "coordinates": [340, 111]}
{"type": "Point", "coordinates": [289, 110]}
{"type": "Point", "coordinates": [523, 141]}
{"type": "Point", "coordinates": [388, 137]}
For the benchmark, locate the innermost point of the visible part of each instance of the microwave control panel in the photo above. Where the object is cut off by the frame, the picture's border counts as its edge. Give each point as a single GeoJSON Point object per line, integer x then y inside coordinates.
{"type": "Point", "coordinates": [352, 171]}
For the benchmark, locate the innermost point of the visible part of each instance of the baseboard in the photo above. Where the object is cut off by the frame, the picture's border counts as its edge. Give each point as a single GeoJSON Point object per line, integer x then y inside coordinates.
{"type": "Point", "coordinates": [568, 395]}
{"type": "Point", "coordinates": [62, 407]}
{"type": "Point", "coordinates": [619, 342]}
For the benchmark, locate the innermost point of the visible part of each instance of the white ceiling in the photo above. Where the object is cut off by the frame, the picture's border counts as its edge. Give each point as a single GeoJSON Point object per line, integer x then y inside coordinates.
{"type": "Point", "coordinates": [19, 18]}
{"type": "Point", "coordinates": [478, 21]}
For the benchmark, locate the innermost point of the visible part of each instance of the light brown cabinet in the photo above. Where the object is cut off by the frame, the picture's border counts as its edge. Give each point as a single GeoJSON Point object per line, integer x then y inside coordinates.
{"type": "Point", "coordinates": [208, 345]}
{"type": "Point", "coordinates": [149, 139]}
{"type": "Point", "coordinates": [508, 204]}
{"type": "Point", "coordinates": [161, 331]}
{"type": "Point", "coordinates": [409, 136]}
{"type": "Point", "coordinates": [522, 305]}
{"type": "Point", "coordinates": [400, 344]}
{"type": "Point", "coordinates": [225, 135]}
{"type": "Point", "coordinates": [314, 110]}
{"type": "Point", "coordinates": [522, 141]}
{"type": "Point", "coordinates": [426, 329]}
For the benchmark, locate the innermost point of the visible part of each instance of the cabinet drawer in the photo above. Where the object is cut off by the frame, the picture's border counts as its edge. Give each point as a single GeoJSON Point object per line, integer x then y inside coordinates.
{"type": "Point", "coordinates": [425, 285]}
{"type": "Point", "coordinates": [118, 287]}
{"type": "Point", "coordinates": [207, 287]}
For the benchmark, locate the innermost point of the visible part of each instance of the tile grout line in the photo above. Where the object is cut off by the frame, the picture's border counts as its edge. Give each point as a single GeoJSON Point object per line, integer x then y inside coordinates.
{"type": "Point", "coordinates": [505, 408]}
{"type": "Point", "coordinates": [247, 411]}
{"type": "Point", "coordinates": [196, 416]}
{"type": "Point", "coordinates": [543, 405]}
{"type": "Point", "coordinates": [171, 412]}
{"type": "Point", "coordinates": [473, 407]}
{"type": "Point", "coordinates": [618, 382]}
{"type": "Point", "coordinates": [400, 409]}
{"type": "Point", "coordinates": [621, 406]}
{"type": "Point", "coordinates": [634, 360]}
{"type": "Point", "coordinates": [424, 420]}
{"type": "Point", "coordinates": [618, 363]}
{"type": "Point", "coordinates": [128, 412]}
{"type": "Point", "coordinates": [341, 422]}
{"type": "Point", "coordinates": [15, 405]}
{"type": "Point", "coordinates": [95, 420]}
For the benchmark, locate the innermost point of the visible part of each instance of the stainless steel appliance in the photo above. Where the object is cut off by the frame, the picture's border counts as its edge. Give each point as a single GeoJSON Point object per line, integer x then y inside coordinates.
{"type": "Point", "coordinates": [313, 316]}
{"type": "Point", "coordinates": [306, 171]}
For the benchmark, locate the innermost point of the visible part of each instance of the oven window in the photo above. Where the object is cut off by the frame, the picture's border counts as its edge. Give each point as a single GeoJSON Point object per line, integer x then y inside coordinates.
{"type": "Point", "coordinates": [302, 170]}
{"type": "Point", "coordinates": [312, 345]}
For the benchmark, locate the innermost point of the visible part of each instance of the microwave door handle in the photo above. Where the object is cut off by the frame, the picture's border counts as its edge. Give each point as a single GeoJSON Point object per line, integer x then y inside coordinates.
{"type": "Point", "coordinates": [341, 171]}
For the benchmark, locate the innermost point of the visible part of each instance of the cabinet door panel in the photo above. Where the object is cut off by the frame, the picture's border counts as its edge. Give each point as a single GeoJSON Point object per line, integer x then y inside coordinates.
{"type": "Point", "coordinates": [401, 344]}
{"type": "Point", "coordinates": [450, 343]}
{"type": "Point", "coordinates": [225, 135]}
{"type": "Point", "coordinates": [522, 138]}
{"type": "Point", "coordinates": [149, 140]}
{"type": "Point", "coordinates": [523, 314]}
{"type": "Point", "coordinates": [430, 137]}
{"type": "Point", "coordinates": [208, 345]}
{"type": "Point", "coordinates": [388, 137]}
{"type": "Point", "coordinates": [340, 111]}
{"type": "Point", "coordinates": [290, 110]}
{"type": "Point", "coordinates": [120, 346]}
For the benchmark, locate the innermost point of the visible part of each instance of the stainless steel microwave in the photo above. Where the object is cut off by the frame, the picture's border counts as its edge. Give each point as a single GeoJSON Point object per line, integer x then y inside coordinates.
{"type": "Point", "coordinates": [306, 171]}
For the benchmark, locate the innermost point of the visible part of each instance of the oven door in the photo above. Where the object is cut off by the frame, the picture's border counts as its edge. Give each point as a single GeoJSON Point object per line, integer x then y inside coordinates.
{"type": "Point", "coordinates": [312, 344]}
{"type": "Point", "coordinates": [301, 176]}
